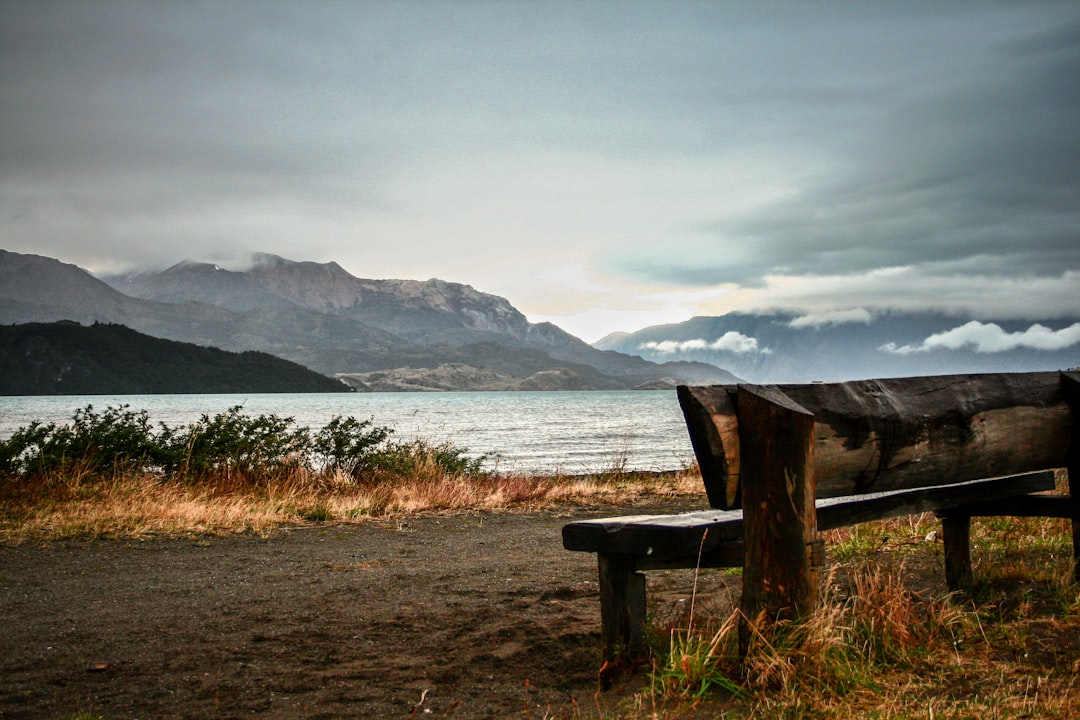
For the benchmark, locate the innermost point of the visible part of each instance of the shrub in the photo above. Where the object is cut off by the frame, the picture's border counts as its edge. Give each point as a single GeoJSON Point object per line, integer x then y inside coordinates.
{"type": "Point", "coordinates": [349, 445]}
{"type": "Point", "coordinates": [419, 457]}
{"type": "Point", "coordinates": [117, 439]}
{"type": "Point", "coordinates": [21, 454]}
{"type": "Point", "coordinates": [228, 444]}
{"type": "Point", "coordinates": [232, 443]}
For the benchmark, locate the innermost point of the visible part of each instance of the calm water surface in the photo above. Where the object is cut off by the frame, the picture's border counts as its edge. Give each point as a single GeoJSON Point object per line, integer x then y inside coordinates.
{"type": "Point", "coordinates": [527, 431]}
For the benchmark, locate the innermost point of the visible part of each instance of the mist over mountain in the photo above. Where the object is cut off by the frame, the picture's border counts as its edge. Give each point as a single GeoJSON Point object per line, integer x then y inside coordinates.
{"type": "Point", "coordinates": [322, 317]}
{"type": "Point", "coordinates": [853, 344]}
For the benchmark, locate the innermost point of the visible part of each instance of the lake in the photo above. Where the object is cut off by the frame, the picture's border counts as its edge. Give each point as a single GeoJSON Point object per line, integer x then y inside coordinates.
{"type": "Point", "coordinates": [528, 432]}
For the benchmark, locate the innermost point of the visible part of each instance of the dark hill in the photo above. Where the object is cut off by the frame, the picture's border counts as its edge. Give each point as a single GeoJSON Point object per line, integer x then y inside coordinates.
{"type": "Point", "coordinates": [66, 358]}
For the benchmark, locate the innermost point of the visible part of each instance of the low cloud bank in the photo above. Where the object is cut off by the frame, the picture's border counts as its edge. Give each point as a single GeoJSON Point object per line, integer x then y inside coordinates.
{"type": "Point", "coordinates": [731, 341]}
{"type": "Point", "coordinates": [836, 317]}
{"type": "Point", "coordinates": [992, 338]}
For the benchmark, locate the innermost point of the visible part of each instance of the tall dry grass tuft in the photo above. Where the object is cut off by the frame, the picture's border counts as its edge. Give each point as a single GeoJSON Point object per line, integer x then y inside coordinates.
{"type": "Point", "coordinates": [617, 488]}
{"type": "Point", "coordinates": [868, 625]}
{"type": "Point", "coordinates": [885, 617]}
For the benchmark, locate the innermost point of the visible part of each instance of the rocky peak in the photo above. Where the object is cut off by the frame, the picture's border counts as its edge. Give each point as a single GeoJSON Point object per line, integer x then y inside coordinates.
{"type": "Point", "coordinates": [472, 308]}
{"type": "Point", "coordinates": [197, 282]}
{"type": "Point", "coordinates": [273, 281]}
{"type": "Point", "coordinates": [396, 304]}
{"type": "Point", "coordinates": [325, 287]}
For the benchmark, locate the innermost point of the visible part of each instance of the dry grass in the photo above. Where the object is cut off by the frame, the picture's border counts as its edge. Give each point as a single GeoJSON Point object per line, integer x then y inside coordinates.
{"type": "Point", "coordinates": [888, 640]}
{"type": "Point", "coordinates": [80, 505]}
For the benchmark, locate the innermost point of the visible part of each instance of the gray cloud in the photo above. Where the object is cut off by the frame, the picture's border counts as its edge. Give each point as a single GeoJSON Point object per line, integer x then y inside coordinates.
{"type": "Point", "coordinates": [978, 165]}
{"type": "Point", "coordinates": [834, 317]}
{"type": "Point", "coordinates": [679, 145]}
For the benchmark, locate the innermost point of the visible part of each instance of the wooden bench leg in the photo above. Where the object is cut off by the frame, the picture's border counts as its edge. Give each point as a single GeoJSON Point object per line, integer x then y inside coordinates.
{"type": "Point", "coordinates": [1076, 548]}
{"type": "Point", "coordinates": [1076, 533]}
{"type": "Point", "coordinates": [1076, 536]}
{"type": "Point", "coordinates": [956, 534]}
{"type": "Point", "coordinates": [622, 607]}
{"type": "Point", "coordinates": [1074, 498]}
{"type": "Point", "coordinates": [1071, 380]}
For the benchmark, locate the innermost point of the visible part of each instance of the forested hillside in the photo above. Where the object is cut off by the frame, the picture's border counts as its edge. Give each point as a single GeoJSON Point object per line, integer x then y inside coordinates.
{"type": "Point", "coordinates": [66, 358]}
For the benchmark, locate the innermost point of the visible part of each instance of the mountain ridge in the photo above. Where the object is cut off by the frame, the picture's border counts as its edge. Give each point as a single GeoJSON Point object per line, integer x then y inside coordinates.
{"type": "Point", "coordinates": [319, 315]}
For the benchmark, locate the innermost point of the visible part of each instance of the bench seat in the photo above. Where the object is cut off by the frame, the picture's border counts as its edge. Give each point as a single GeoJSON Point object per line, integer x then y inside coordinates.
{"type": "Point", "coordinates": [678, 538]}
{"type": "Point", "coordinates": [627, 545]}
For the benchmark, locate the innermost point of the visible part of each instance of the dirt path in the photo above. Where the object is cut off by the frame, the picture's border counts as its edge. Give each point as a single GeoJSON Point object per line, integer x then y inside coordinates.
{"type": "Point", "coordinates": [465, 616]}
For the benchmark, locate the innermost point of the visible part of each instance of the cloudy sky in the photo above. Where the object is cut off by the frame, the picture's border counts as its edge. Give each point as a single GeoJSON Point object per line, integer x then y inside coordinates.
{"type": "Point", "coordinates": [604, 165]}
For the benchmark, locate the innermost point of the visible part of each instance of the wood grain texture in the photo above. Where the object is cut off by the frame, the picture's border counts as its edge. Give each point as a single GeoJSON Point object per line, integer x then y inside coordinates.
{"type": "Point", "coordinates": [780, 520]}
{"type": "Point", "coordinates": [1071, 381]}
{"type": "Point", "coordinates": [891, 434]}
{"type": "Point", "coordinates": [714, 435]}
{"type": "Point", "coordinates": [622, 607]}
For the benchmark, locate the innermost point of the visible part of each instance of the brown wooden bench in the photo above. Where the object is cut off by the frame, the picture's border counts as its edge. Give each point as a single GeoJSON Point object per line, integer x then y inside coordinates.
{"type": "Point", "coordinates": [781, 463]}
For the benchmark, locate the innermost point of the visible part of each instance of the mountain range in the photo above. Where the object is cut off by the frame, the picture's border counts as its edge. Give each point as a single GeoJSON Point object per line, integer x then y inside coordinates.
{"type": "Point", "coordinates": [374, 334]}
{"type": "Point", "coordinates": [854, 344]}
{"type": "Point", "coordinates": [438, 335]}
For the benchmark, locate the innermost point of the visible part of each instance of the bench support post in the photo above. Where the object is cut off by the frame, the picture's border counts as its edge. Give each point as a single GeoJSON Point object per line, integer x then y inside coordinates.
{"type": "Point", "coordinates": [622, 608]}
{"type": "Point", "coordinates": [956, 535]}
{"type": "Point", "coordinates": [780, 520]}
{"type": "Point", "coordinates": [1072, 393]}
{"type": "Point", "coordinates": [1074, 495]}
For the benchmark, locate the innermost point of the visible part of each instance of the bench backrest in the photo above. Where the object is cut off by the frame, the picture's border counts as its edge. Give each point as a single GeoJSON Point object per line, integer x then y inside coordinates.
{"type": "Point", "coordinates": [901, 433]}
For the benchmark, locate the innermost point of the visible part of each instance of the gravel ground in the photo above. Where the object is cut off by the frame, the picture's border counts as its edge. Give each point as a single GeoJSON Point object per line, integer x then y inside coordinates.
{"type": "Point", "coordinates": [464, 616]}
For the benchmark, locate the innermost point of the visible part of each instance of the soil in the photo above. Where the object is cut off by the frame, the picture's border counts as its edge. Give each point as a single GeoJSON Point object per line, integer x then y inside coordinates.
{"type": "Point", "coordinates": [472, 615]}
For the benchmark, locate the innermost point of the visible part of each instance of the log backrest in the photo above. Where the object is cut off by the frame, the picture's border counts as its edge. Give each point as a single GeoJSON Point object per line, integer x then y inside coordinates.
{"type": "Point", "coordinates": [900, 433]}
